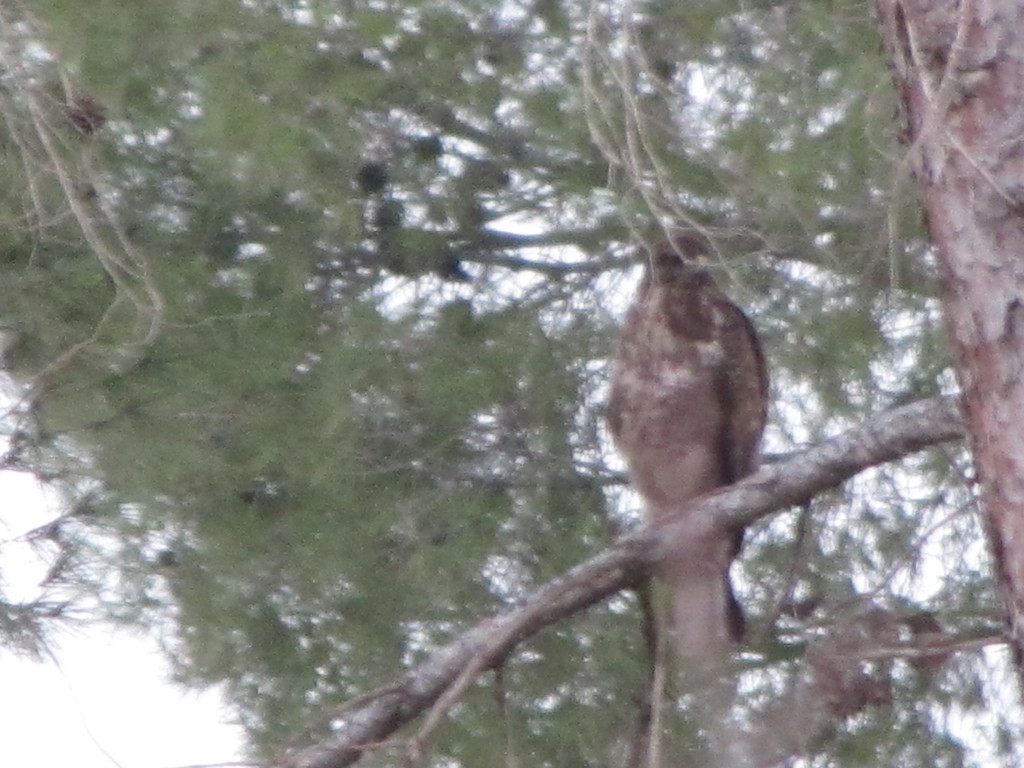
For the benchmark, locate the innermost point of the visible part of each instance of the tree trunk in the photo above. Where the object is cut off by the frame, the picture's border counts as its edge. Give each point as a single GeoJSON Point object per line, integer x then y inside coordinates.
{"type": "Point", "coordinates": [959, 71]}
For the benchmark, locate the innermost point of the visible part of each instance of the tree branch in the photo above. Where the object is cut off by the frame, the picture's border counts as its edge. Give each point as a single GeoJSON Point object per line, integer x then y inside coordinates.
{"type": "Point", "coordinates": [791, 480]}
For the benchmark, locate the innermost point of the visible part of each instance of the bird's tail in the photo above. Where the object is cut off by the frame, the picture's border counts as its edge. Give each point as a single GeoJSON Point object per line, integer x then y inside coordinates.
{"type": "Point", "coordinates": [704, 617]}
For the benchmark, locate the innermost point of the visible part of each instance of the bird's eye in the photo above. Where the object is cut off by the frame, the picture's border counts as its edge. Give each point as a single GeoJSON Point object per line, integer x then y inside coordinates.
{"type": "Point", "coordinates": [667, 259]}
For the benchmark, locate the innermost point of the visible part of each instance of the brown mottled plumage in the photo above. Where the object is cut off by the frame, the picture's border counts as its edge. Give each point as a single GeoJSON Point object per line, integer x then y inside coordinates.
{"type": "Point", "coordinates": [687, 409]}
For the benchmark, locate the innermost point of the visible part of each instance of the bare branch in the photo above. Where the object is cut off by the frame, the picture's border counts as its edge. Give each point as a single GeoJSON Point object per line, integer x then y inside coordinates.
{"type": "Point", "coordinates": [791, 480]}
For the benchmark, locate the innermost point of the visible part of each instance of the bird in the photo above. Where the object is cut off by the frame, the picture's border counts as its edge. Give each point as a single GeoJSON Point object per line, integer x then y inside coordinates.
{"type": "Point", "coordinates": [687, 408]}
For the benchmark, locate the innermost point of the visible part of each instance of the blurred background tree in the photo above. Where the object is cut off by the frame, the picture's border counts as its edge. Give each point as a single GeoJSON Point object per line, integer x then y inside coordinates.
{"type": "Point", "coordinates": [305, 308]}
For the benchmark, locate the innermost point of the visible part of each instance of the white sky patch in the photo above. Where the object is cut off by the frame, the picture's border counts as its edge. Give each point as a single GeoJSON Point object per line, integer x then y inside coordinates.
{"type": "Point", "coordinates": [108, 704]}
{"type": "Point", "coordinates": [108, 701]}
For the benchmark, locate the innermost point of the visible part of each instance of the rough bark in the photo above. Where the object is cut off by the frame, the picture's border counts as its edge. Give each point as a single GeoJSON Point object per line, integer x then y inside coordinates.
{"type": "Point", "coordinates": [440, 679]}
{"type": "Point", "coordinates": [959, 70]}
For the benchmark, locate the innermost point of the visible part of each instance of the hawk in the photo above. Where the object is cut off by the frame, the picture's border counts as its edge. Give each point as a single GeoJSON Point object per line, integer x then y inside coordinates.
{"type": "Point", "coordinates": [687, 408]}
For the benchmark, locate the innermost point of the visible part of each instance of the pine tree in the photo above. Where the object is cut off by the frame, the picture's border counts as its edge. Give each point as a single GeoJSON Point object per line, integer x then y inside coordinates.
{"type": "Point", "coordinates": [308, 308]}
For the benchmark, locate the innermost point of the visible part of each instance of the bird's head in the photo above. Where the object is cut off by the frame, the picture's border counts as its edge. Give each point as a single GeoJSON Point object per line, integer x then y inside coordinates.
{"type": "Point", "coordinates": [682, 258]}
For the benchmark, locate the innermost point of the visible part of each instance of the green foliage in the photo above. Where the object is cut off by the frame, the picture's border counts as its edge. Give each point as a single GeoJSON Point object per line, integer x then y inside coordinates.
{"type": "Point", "coordinates": [328, 404]}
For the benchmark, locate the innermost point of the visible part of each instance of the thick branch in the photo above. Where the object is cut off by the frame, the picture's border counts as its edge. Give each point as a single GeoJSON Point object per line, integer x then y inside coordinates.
{"type": "Point", "coordinates": [881, 438]}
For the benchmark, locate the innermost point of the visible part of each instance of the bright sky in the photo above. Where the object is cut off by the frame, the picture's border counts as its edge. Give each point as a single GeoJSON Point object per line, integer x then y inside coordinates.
{"type": "Point", "coordinates": [109, 704]}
